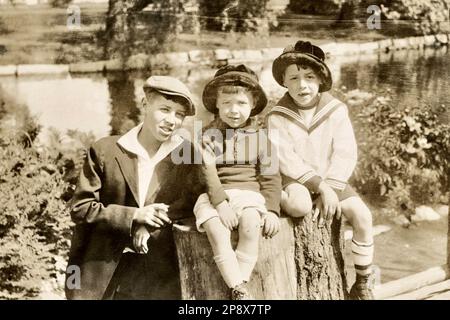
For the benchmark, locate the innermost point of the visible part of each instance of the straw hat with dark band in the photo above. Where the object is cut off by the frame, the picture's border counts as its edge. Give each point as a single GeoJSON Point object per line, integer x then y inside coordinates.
{"type": "Point", "coordinates": [234, 75]}
{"type": "Point", "coordinates": [303, 53]}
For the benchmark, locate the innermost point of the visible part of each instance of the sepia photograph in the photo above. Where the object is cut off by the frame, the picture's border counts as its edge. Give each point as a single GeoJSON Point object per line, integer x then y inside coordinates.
{"type": "Point", "coordinates": [224, 150]}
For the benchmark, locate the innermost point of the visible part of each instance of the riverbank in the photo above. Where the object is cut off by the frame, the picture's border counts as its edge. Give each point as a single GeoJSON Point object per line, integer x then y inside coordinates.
{"type": "Point", "coordinates": [40, 36]}
{"type": "Point", "coordinates": [222, 56]}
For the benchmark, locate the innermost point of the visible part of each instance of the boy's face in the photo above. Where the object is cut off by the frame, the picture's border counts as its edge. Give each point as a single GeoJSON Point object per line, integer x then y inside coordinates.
{"type": "Point", "coordinates": [162, 116]}
{"type": "Point", "coordinates": [234, 108]}
{"type": "Point", "coordinates": [303, 84]}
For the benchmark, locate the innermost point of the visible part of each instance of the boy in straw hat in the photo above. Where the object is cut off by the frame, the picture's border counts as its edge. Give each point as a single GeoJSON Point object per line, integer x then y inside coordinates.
{"type": "Point", "coordinates": [248, 184]}
{"type": "Point", "coordinates": [317, 152]}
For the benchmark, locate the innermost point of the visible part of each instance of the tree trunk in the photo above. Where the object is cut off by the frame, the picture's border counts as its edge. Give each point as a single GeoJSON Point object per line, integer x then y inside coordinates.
{"type": "Point", "coordinates": [349, 15]}
{"type": "Point", "coordinates": [300, 262]}
{"type": "Point", "coordinates": [320, 260]}
{"type": "Point", "coordinates": [120, 27]}
{"type": "Point", "coordinates": [448, 233]}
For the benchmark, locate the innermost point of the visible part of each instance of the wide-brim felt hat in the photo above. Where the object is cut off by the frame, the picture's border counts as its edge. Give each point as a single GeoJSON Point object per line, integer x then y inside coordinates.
{"type": "Point", "coordinates": [303, 52]}
{"type": "Point", "coordinates": [171, 86]}
{"type": "Point", "coordinates": [234, 75]}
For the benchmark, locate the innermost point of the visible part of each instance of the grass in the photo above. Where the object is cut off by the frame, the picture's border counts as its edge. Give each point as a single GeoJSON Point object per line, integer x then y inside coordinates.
{"type": "Point", "coordinates": [39, 34]}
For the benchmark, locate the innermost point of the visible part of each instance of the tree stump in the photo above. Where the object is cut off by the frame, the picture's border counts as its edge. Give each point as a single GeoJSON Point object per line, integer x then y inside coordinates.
{"type": "Point", "coordinates": [302, 261]}
{"type": "Point", "coordinates": [448, 234]}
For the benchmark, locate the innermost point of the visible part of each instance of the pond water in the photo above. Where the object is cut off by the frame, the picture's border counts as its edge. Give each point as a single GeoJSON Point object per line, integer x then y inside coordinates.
{"type": "Point", "coordinates": [110, 104]}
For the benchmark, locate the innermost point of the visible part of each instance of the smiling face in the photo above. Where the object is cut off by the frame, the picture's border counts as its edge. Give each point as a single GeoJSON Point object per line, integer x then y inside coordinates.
{"type": "Point", "coordinates": [163, 116]}
{"type": "Point", "coordinates": [303, 84]}
{"type": "Point", "coordinates": [235, 105]}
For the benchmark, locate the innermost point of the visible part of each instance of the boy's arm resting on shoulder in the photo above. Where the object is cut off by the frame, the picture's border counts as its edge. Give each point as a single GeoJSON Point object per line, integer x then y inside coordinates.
{"type": "Point", "coordinates": [344, 154]}
{"type": "Point", "coordinates": [86, 207]}
{"type": "Point", "coordinates": [291, 164]}
{"type": "Point", "coordinates": [269, 177]}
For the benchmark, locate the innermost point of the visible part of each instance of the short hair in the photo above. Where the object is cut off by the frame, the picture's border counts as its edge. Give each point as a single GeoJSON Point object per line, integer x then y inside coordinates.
{"type": "Point", "coordinates": [150, 92]}
{"type": "Point", "coordinates": [238, 88]}
{"type": "Point", "coordinates": [318, 71]}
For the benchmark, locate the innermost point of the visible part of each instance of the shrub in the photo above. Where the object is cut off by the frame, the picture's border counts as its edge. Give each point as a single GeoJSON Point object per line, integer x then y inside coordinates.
{"type": "Point", "coordinates": [239, 16]}
{"type": "Point", "coordinates": [35, 184]}
{"type": "Point", "coordinates": [428, 17]}
{"type": "Point", "coordinates": [34, 224]}
{"type": "Point", "coordinates": [16, 121]}
{"type": "Point", "coordinates": [321, 7]}
{"type": "Point", "coordinates": [59, 3]}
{"type": "Point", "coordinates": [403, 154]}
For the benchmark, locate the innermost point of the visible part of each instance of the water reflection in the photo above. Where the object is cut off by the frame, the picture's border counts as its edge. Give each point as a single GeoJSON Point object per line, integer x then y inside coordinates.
{"type": "Point", "coordinates": [415, 77]}
{"type": "Point", "coordinates": [125, 112]}
{"type": "Point", "coordinates": [111, 104]}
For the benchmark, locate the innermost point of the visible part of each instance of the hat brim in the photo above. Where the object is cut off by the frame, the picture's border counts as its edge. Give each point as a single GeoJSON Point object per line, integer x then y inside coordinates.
{"type": "Point", "coordinates": [209, 96]}
{"type": "Point", "coordinates": [283, 61]}
{"type": "Point", "coordinates": [189, 104]}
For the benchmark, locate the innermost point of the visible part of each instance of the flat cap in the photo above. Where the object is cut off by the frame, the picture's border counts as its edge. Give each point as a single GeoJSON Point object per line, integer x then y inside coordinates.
{"type": "Point", "coordinates": [171, 86]}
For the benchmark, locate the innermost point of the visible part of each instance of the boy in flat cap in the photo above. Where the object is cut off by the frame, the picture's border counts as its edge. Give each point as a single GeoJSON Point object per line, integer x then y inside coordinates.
{"type": "Point", "coordinates": [317, 151]}
{"type": "Point", "coordinates": [247, 191]}
{"type": "Point", "coordinates": [129, 192]}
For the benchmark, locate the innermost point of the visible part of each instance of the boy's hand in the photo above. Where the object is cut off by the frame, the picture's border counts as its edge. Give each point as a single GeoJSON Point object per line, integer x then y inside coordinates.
{"type": "Point", "coordinates": [140, 238]}
{"type": "Point", "coordinates": [271, 224]}
{"type": "Point", "coordinates": [227, 215]}
{"type": "Point", "coordinates": [153, 215]}
{"type": "Point", "coordinates": [327, 204]}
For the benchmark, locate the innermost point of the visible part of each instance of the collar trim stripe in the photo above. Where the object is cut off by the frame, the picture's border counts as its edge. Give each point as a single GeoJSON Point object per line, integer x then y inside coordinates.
{"type": "Point", "coordinates": [306, 177]}
{"type": "Point", "coordinates": [317, 123]}
{"type": "Point", "coordinates": [318, 119]}
{"type": "Point", "coordinates": [282, 112]}
{"type": "Point", "coordinates": [324, 110]}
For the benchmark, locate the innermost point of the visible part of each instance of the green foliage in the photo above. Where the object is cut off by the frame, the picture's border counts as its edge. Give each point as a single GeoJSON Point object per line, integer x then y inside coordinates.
{"type": "Point", "coordinates": [403, 154]}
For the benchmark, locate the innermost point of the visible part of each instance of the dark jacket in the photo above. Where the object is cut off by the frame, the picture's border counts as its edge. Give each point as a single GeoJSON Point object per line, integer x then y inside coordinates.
{"type": "Point", "coordinates": [103, 207]}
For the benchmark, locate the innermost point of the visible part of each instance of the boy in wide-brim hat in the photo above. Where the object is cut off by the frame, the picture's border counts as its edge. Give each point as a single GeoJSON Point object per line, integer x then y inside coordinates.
{"type": "Point", "coordinates": [317, 152]}
{"type": "Point", "coordinates": [248, 184]}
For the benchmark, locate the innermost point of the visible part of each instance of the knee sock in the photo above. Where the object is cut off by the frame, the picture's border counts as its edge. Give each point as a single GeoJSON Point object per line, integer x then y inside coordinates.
{"type": "Point", "coordinates": [246, 264]}
{"type": "Point", "coordinates": [228, 266]}
{"type": "Point", "coordinates": [362, 257]}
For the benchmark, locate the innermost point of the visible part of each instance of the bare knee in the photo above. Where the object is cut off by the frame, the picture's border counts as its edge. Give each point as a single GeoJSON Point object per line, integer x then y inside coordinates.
{"type": "Point", "coordinates": [296, 201]}
{"type": "Point", "coordinates": [297, 207]}
{"type": "Point", "coordinates": [249, 224]}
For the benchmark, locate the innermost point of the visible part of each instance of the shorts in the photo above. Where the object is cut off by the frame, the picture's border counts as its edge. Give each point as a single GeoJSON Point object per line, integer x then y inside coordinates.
{"type": "Point", "coordinates": [348, 191]}
{"type": "Point", "coordinates": [238, 199]}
